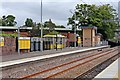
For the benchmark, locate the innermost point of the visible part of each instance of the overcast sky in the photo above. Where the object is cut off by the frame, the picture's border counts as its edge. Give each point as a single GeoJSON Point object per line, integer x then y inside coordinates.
{"type": "Point", "coordinates": [57, 10]}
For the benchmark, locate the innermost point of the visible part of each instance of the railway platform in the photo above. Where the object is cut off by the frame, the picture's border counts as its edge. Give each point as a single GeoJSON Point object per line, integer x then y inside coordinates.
{"type": "Point", "coordinates": [37, 53]}
{"type": "Point", "coordinates": [23, 58]}
{"type": "Point", "coordinates": [112, 72]}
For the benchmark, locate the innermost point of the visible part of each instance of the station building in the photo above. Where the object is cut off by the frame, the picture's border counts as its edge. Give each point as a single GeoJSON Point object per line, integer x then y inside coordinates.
{"type": "Point", "coordinates": [10, 44]}
{"type": "Point", "coordinates": [89, 38]}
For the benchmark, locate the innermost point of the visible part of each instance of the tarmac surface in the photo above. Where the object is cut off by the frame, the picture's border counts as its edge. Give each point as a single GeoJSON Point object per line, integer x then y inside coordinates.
{"type": "Point", "coordinates": [33, 56]}
{"type": "Point", "coordinates": [37, 53]}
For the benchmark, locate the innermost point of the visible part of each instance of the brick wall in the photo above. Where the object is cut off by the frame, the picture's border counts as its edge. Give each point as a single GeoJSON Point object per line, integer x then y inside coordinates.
{"type": "Point", "coordinates": [9, 46]}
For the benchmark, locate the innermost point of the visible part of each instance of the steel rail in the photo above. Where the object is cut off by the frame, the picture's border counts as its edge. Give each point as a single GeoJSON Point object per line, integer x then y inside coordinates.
{"type": "Point", "coordinates": [61, 65]}
{"type": "Point", "coordinates": [58, 73]}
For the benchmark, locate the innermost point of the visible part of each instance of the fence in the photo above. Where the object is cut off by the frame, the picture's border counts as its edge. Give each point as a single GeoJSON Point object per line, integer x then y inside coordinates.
{"type": "Point", "coordinates": [9, 45]}
{"type": "Point", "coordinates": [92, 44]}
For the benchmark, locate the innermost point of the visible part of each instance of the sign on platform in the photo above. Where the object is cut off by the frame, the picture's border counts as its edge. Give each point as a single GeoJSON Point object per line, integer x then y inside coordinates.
{"type": "Point", "coordinates": [1, 41]}
{"type": "Point", "coordinates": [24, 43]}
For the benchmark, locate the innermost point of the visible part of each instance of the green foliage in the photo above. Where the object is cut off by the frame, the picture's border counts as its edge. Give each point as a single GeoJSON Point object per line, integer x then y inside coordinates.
{"type": "Point", "coordinates": [45, 32]}
{"type": "Point", "coordinates": [60, 26]}
{"type": "Point", "coordinates": [92, 15]}
{"type": "Point", "coordinates": [35, 32]}
{"type": "Point", "coordinates": [0, 21]}
{"type": "Point", "coordinates": [36, 27]}
{"type": "Point", "coordinates": [8, 35]}
{"type": "Point", "coordinates": [29, 22]}
{"type": "Point", "coordinates": [49, 24]}
{"type": "Point", "coordinates": [53, 33]}
{"type": "Point", "coordinates": [39, 24]}
{"type": "Point", "coordinates": [8, 20]}
{"type": "Point", "coordinates": [114, 40]}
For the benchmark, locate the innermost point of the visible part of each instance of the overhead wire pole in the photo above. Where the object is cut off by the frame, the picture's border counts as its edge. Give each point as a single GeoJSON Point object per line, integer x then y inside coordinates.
{"type": "Point", "coordinates": [74, 28]}
{"type": "Point", "coordinates": [119, 15]}
{"type": "Point", "coordinates": [75, 31]}
{"type": "Point", "coordinates": [18, 39]}
{"type": "Point", "coordinates": [41, 29]}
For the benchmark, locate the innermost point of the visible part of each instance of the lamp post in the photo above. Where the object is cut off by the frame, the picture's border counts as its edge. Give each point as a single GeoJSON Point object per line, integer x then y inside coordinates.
{"type": "Point", "coordinates": [74, 27]}
{"type": "Point", "coordinates": [19, 37]}
{"type": "Point", "coordinates": [18, 40]}
{"type": "Point", "coordinates": [41, 29]}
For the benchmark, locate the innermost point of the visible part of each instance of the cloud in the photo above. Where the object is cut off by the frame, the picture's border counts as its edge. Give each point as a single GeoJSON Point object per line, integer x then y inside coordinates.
{"type": "Point", "coordinates": [57, 10]}
{"type": "Point", "coordinates": [39, 0]}
{"type": "Point", "coordinates": [20, 10]}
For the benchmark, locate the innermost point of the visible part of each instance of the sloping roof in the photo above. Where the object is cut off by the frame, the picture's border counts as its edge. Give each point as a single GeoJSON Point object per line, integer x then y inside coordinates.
{"type": "Point", "coordinates": [29, 28]}
{"type": "Point", "coordinates": [93, 27]}
{"type": "Point", "coordinates": [58, 35]}
{"type": "Point", "coordinates": [99, 34]}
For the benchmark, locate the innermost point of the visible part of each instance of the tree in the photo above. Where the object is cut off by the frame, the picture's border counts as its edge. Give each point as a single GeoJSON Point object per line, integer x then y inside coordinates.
{"type": "Point", "coordinates": [60, 26]}
{"type": "Point", "coordinates": [92, 15]}
{"type": "Point", "coordinates": [29, 22]}
{"type": "Point", "coordinates": [107, 15]}
{"type": "Point", "coordinates": [35, 32]}
{"type": "Point", "coordinates": [49, 24]}
{"type": "Point", "coordinates": [4, 21]}
{"type": "Point", "coordinates": [0, 21]}
{"type": "Point", "coordinates": [44, 30]}
{"type": "Point", "coordinates": [8, 21]}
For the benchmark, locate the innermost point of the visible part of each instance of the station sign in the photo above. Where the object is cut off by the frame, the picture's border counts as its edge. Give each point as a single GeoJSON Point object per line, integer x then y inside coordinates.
{"type": "Point", "coordinates": [24, 43]}
{"type": "Point", "coordinates": [1, 41]}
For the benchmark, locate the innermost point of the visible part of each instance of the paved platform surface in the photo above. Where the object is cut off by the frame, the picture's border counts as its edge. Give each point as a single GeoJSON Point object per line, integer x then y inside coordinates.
{"type": "Point", "coordinates": [18, 59]}
{"type": "Point", "coordinates": [37, 53]}
{"type": "Point", "coordinates": [112, 72]}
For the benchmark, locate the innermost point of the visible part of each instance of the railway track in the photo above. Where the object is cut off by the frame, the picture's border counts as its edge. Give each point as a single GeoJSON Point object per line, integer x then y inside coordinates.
{"type": "Point", "coordinates": [59, 69]}
{"type": "Point", "coordinates": [90, 74]}
{"type": "Point", "coordinates": [20, 70]}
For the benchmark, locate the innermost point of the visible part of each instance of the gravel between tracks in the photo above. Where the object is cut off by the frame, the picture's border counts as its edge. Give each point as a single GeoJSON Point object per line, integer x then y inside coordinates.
{"type": "Point", "coordinates": [85, 67]}
{"type": "Point", "coordinates": [29, 68]}
{"type": "Point", "coordinates": [90, 74]}
{"type": "Point", "coordinates": [59, 69]}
